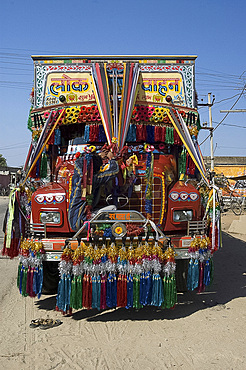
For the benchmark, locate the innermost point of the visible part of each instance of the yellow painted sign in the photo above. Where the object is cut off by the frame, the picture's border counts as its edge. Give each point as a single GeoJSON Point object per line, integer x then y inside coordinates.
{"type": "Point", "coordinates": [154, 87]}
{"type": "Point", "coordinates": [75, 86]}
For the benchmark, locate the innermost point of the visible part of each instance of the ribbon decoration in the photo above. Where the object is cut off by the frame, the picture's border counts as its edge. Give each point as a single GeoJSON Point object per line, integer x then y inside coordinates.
{"type": "Point", "coordinates": [200, 269]}
{"type": "Point", "coordinates": [184, 134]}
{"type": "Point", "coordinates": [11, 217]}
{"type": "Point", "coordinates": [130, 79]}
{"type": "Point", "coordinates": [194, 148]}
{"type": "Point", "coordinates": [30, 151]}
{"type": "Point", "coordinates": [41, 138]}
{"type": "Point", "coordinates": [110, 276]}
{"type": "Point", "coordinates": [30, 269]}
{"type": "Point", "coordinates": [115, 102]}
{"type": "Point", "coordinates": [213, 213]}
{"type": "Point", "coordinates": [200, 155]}
{"type": "Point", "coordinates": [101, 91]}
{"type": "Point", "coordinates": [43, 142]}
{"type": "Point", "coordinates": [64, 286]}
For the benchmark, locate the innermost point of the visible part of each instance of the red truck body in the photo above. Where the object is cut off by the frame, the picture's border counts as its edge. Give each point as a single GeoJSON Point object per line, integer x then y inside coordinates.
{"type": "Point", "coordinates": [163, 84]}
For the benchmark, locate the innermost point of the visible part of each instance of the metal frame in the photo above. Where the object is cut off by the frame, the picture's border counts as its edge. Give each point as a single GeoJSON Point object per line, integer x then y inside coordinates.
{"type": "Point", "coordinates": [142, 220]}
{"type": "Point", "coordinates": [197, 227]}
{"type": "Point", "coordinates": [37, 230]}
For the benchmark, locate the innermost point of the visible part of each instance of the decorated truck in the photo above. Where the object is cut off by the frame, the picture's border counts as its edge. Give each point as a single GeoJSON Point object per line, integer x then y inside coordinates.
{"type": "Point", "coordinates": [114, 207]}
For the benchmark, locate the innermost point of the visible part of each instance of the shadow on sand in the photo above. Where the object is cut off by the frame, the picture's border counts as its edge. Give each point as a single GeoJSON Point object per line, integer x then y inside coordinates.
{"type": "Point", "coordinates": [229, 283]}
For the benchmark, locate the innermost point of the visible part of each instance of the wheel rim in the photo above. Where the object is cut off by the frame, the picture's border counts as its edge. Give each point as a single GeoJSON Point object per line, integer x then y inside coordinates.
{"type": "Point", "coordinates": [236, 208]}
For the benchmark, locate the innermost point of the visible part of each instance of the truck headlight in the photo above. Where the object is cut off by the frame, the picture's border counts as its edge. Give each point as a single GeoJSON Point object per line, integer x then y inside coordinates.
{"type": "Point", "coordinates": [182, 215]}
{"type": "Point", "coordinates": [48, 217]}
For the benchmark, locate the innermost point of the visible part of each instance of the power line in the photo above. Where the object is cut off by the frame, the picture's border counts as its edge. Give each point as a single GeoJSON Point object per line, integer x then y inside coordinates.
{"type": "Point", "coordinates": [228, 124]}
{"type": "Point", "coordinates": [17, 69]}
{"type": "Point", "coordinates": [15, 87]}
{"type": "Point", "coordinates": [17, 82]}
{"type": "Point", "coordinates": [14, 145]}
{"type": "Point", "coordinates": [10, 57]}
{"type": "Point", "coordinates": [230, 147]}
{"type": "Point", "coordinates": [10, 62]}
{"type": "Point", "coordinates": [226, 99]}
{"type": "Point", "coordinates": [216, 72]}
{"type": "Point", "coordinates": [225, 115]}
{"type": "Point", "coordinates": [15, 74]}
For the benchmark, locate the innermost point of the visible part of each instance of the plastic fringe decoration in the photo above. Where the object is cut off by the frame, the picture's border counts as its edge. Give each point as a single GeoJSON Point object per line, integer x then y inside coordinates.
{"type": "Point", "coordinates": [199, 271]}
{"type": "Point", "coordinates": [30, 269]}
{"type": "Point", "coordinates": [64, 285]}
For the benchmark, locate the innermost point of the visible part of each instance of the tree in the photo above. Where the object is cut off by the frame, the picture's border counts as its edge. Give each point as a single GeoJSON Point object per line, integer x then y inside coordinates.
{"type": "Point", "coordinates": [3, 162]}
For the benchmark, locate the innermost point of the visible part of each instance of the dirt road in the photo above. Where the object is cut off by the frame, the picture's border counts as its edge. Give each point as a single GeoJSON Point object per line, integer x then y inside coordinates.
{"type": "Point", "coordinates": [205, 331]}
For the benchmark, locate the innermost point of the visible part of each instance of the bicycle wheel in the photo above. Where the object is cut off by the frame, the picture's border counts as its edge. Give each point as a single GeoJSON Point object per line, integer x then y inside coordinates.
{"type": "Point", "coordinates": [236, 207]}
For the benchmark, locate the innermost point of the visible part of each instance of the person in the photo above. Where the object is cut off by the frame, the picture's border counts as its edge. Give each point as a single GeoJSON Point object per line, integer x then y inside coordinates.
{"type": "Point", "coordinates": [105, 168]}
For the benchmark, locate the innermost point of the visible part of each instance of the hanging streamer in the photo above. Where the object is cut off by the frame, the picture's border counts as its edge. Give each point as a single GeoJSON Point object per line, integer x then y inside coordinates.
{"type": "Point", "coordinates": [114, 276]}
{"type": "Point", "coordinates": [30, 270]}
{"type": "Point", "coordinates": [199, 271]}
{"type": "Point", "coordinates": [64, 286]}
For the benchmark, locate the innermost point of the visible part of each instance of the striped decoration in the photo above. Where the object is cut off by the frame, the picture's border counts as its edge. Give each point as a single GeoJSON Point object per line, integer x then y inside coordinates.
{"type": "Point", "coordinates": [130, 79]}
{"type": "Point", "coordinates": [184, 134]}
{"type": "Point", "coordinates": [101, 91]}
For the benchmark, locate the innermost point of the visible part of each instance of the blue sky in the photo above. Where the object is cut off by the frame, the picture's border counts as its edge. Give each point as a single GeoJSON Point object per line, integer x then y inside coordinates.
{"type": "Point", "coordinates": [213, 30]}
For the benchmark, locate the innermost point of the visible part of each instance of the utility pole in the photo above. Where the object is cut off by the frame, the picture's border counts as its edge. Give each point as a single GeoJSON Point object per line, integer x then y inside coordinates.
{"type": "Point", "coordinates": [211, 131]}
{"type": "Point", "coordinates": [209, 104]}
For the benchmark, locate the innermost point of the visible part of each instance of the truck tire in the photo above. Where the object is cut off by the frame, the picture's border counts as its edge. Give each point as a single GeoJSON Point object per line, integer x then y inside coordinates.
{"type": "Point", "coordinates": [181, 274]}
{"type": "Point", "coordinates": [50, 278]}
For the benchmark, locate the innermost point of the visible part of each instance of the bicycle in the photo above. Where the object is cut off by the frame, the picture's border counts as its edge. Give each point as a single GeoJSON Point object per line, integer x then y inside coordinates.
{"type": "Point", "coordinates": [233, 202]}
{"type": "Point", "coordinates": [238, 206]}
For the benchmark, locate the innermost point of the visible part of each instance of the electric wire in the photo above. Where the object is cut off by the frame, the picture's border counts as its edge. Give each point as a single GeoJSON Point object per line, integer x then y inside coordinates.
{"type": "Point", "coordinates": [14, 145]}
{"type": "Point", "coordinates": [225, 115]}
{"type": "Point", "coordinates": [230, 124]}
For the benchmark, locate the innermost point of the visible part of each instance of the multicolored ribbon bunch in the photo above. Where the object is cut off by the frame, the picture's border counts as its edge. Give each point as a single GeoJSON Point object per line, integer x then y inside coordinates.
{"type": "Point", "coordinates": [30, 270]}
{"type": "Point", "coordinates": [117, 276]}
{"type": "Point", "coordinates": [200, 271]}
{"type": "Point", "coordinates": [152, 134]}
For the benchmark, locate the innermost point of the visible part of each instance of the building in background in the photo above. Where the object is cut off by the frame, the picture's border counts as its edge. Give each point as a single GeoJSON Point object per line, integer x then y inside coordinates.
{"type": "Point", "coordinates": [232, 168]}
{"type": "Point", "coordinates": [9, 177]}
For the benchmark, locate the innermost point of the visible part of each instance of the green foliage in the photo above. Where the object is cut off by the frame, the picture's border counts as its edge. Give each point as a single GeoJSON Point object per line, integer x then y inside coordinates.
{"type": "Point", "coordinates": [3, 162]}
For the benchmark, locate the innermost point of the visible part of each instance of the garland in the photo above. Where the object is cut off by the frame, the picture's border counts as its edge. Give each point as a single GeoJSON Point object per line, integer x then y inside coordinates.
{"type": "Point", "coordinates": [57, 140]}
{"type": "Point", "coordinates": [182, 164]}
{"type": "Point", "coordinates": [30, 269]}
{"type": "Point", "coordinates": [136, 133]}
{"type": "Point", "coordinates": [64, 286]}
{"type": "Point", "coordinates": [169, 139]}
{"type": "Point", "coordinates": [131, 134]}
{"type": "Point", "coordinates": [149, 180]}
{"type": "Point", "coordinates": [43, 166]}
{"type": "Point", "coordinates": [200, 271]}
{"type": "Point", "coordinates": [214, 214]}
{"type": "Point", "coordinates": [87, 133]}
{"type": "Point", "coordinates": [116, 276]}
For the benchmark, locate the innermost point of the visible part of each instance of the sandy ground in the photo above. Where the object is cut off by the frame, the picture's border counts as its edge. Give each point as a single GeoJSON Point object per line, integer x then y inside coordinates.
{"type": "Point", "coordinates": [205, 331]}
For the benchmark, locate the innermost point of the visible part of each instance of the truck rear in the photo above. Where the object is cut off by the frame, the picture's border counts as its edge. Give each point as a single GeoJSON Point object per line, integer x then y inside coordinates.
{"type": "Point", "coordinates": [114, 160]}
